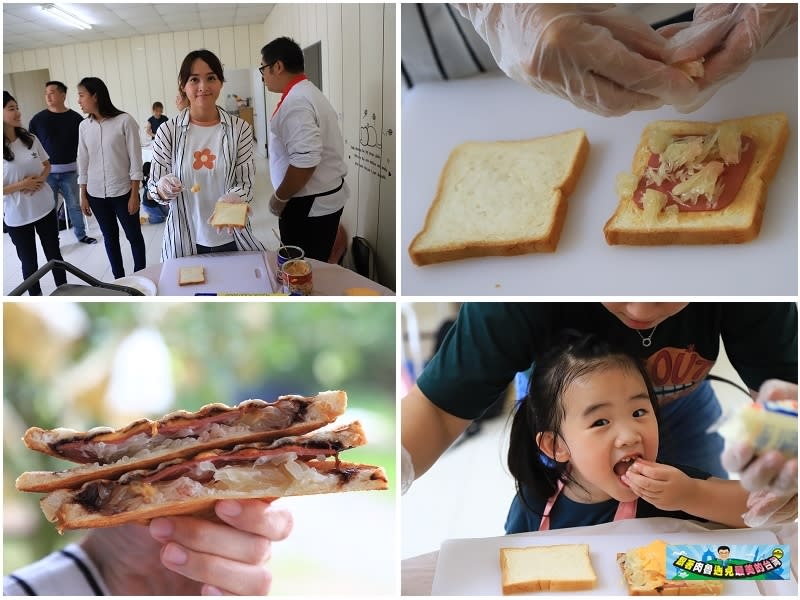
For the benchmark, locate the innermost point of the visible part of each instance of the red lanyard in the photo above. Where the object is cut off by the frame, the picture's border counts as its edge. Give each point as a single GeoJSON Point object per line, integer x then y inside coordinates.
{"type": "Point", "coordinates": [625, 510]}
{"type": "Point", "coordinates": [292, 83]}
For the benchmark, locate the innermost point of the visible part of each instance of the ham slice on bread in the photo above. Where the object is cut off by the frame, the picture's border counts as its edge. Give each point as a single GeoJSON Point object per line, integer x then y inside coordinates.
{"type": "Point", "coordinates": [106, 453]}
{"type": "Point", "coordinates": [698, 183]}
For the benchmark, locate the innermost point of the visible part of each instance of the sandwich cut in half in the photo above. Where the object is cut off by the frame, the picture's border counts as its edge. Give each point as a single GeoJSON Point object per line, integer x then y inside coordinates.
{"type": "Point", "coordinates": [186, 461]}
{"type": "Point", "coordinates": [501, 198]}
{"type": "Point", "coordinates": [561, 568]}
{"type": "Point", "coordinates": [645, 573]}
{"type": "Point", "coordinates": [698, 183]}
{"type": "Point", "coordinates": [292, 466]}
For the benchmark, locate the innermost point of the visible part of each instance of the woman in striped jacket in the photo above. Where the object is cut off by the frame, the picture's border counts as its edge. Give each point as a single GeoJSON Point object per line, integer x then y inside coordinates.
{"type": "Point", "coordinates": [201, 156]}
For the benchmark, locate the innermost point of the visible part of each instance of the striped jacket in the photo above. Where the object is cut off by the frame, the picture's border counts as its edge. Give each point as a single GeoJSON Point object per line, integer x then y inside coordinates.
{"type": "Point", "coordinates": [169, 154]}
{"type": "Point", "coordinates": [67, 572]}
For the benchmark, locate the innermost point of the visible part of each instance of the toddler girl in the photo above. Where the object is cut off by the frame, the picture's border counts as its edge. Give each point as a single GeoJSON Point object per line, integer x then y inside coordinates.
{"type": "Point", "coordinates": [584, 443]}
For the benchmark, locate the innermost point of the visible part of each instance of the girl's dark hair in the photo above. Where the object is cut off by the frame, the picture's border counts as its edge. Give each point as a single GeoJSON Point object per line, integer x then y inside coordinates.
{"type": "Point", "coordinates": [287, 51]}
{"type": "Point", "coordinates": [96, 87]}
{"type": "Point", "coordinates": [186, 66]}
{"type": "Point", "coordinates": [572, 356]}
{"type": "Point", "coordinates": [23, 134]}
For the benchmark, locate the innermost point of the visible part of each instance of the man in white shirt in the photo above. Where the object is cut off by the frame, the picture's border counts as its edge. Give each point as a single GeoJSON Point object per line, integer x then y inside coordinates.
{"type": "Point", "coordinates": [306, 153]}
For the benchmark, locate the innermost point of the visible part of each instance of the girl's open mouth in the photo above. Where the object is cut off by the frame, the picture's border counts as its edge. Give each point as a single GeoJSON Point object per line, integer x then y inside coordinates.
{"type": "Point", "coordinates": [622, 466]}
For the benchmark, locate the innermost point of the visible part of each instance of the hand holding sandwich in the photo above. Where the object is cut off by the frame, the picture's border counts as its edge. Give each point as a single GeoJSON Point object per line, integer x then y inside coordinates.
{"type": "Point", "coordinates": [190, 555]}
{"type": "Point", "coordinates": [669, 488]}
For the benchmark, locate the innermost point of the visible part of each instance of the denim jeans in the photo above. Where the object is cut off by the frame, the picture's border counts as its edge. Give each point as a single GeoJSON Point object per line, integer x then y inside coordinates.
{"type": "Point", "coordinates": [107, 211]}
{"type": "Point", "coordinates": [24, 240]}
{"type": "Point", "coordinates": [67, 184]}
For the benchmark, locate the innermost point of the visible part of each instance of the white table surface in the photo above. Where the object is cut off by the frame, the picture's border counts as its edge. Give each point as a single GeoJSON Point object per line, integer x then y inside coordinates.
{"type": "Point", "coordinates": [329, 279]}
{"type": "Point", "coordinates": [438, 116]}
{"type": "Point", "coordinates": [417, 573]}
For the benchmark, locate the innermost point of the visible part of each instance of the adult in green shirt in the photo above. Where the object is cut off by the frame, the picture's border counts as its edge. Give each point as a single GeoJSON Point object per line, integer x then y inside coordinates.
{"type": "Point", "coordinates": [678, 341]}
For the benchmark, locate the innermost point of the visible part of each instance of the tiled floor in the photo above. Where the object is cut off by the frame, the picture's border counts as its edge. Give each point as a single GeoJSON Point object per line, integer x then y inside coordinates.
{"type": "Point", "coordinates": [93, 259]}
{"type": "Point", "coordinates": [467, 492]}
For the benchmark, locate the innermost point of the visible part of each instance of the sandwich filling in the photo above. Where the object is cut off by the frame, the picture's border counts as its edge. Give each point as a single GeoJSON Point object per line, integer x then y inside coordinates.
{"type": "Point", "coordinates": [690, 173]}
{"type": "Point", "coordinates": [271, 473]}
{"type": "Point", "coordinates": [217, 423]}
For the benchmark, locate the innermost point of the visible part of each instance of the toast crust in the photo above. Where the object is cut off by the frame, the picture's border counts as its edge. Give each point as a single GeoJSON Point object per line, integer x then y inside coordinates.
{"type": "Point", "coordinates": [512, 247]}
{"type": "Point", "coordinates": [671, 588]}
{"type": "Point", "coordinates": [737, 223]}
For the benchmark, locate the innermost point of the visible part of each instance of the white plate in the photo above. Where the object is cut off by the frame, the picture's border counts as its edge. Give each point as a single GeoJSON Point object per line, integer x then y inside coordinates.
{"type": "Point", "coordinates": [143, 284]}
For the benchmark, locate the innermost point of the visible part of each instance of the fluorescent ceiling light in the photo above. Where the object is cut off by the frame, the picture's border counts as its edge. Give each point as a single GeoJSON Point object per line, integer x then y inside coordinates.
{"type": "Point", "coordinates": [65, 16]}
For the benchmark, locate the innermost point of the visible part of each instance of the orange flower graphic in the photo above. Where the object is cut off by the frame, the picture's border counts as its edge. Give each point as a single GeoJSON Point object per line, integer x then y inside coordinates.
{"type": "Point", "coordinates": [203, 158]}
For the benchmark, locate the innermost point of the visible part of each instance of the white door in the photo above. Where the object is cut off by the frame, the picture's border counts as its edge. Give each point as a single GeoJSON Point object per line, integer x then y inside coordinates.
{"type": "Point", "coordinates": [259, 113]}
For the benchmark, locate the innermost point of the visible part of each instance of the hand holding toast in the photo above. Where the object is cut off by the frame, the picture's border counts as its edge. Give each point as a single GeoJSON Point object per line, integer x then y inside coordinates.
{"type": "Point", "coordinates": [663, 486]}
{"type": "Point", "coordinates": [601, 59]}
{"type": "Point", "coordinates": [189, 555]}
{"type": "Point", "coordinates": [727, 37]}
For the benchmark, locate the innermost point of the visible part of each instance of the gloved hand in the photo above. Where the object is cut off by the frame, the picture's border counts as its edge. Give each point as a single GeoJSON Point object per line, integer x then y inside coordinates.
{"type": "Point", "coordinates": [727, 37]}
{"type": "Point", "coordinates": [276, 205]}
{"type": "Point", "coordinates": [169, 187]}
{"type": "Point", "coordinates": [771, 471]}
{"type": "Point", "coordinates": [598, 57]}
{"type": "Point", "coordinates": [406, 470]}
{"type": "Point", "coordinates": [768, 508]}
{"type": "Point", "coordinates": [231, 199]}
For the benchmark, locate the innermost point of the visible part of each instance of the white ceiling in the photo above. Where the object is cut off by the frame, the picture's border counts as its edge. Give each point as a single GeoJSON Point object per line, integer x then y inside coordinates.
{"type": "Point", "coordinates": [26, 26]}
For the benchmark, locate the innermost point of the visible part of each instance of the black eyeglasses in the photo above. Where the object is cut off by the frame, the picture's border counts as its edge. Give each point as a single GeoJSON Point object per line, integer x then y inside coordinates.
{"type": "Point", "coordinates": [262, 67]}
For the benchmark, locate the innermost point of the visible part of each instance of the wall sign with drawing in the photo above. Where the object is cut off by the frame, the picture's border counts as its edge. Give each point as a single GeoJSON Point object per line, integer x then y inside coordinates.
{"type": "Point", "coordinates": [367, 152]}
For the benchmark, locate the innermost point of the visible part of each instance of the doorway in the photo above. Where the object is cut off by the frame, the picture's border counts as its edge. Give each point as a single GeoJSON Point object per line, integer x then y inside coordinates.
{"type": "Point", "coordinates": [312, 56]}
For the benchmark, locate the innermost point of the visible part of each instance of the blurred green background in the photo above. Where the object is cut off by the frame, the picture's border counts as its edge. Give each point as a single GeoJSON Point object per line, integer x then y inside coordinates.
{"type": "Point", "coordinates": [81, 365]}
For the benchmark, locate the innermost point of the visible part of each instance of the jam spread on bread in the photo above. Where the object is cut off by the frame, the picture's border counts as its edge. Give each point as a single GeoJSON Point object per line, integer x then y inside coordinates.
{"type": "Point", "coordinates": [691, 173]}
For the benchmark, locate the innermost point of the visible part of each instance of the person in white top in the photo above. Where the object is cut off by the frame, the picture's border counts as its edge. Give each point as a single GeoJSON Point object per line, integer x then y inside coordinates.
{"type": "Point", "coordinates": [28, 206]}
{"type": "Point", "coordinates": [202, 156]}
{"type": "Point", "coordinates": [306, 153]}
{"type": "Point", "coordinates": [110, 172]}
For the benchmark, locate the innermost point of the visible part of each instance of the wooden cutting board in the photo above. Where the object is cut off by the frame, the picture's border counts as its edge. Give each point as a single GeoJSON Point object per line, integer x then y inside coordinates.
{"type": "Point", "coordinates": [232, 273]}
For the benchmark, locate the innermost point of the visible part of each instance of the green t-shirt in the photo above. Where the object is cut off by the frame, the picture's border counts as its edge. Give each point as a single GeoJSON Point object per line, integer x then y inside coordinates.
{"type": "Point", "coordinates": [491, 342]}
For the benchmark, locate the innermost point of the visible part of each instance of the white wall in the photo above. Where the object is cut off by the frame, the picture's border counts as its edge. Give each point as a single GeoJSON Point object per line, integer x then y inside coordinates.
{"type": "Point", "coordinates": [358, 74]}
{"type": "Point", "coordinates": [142, 69]}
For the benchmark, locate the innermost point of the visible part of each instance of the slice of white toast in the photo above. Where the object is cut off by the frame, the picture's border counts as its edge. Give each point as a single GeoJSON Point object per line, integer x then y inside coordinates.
{"type": "Point", "coordinates": [501, 198]}
{"type": "Point", "coordinates": [192, 275]}
{"type": "Point", "coordinates": [229, 214]}
{"type": "Point", "coordinates": [738, 222]}
{"type": "Point", "coordinates": [562, 568]}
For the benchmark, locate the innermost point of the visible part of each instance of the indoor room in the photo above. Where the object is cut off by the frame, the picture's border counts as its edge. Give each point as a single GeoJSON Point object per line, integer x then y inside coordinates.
{"type": "Point", "coordinates": [137, 50]}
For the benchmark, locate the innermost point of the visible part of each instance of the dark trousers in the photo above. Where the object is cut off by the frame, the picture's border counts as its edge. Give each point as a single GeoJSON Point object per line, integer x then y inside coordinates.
{"type": "Point", "coordinates": [229, 247]}
{"type": "Point", "coordinates": [24, 240]}
{"type": "Point", "coordinates": [315, 235]}
{"type": "Point", "coordinates": [107, 211]}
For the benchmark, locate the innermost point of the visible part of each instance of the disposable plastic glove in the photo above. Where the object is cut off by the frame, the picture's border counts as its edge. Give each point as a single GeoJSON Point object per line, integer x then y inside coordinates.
{"type": "Point", "coordinates": [600, 58]}
{"type": "Point", "coordinates": [768, 508]}
{"type": "Point", "coordinates": [277, 204]}
{"type": "Point", "coordinates": [770, 471]}
{"type": "Point", "coordinates": [727, 37]}
{"type": "Point", "coordinates": [169, 187]}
